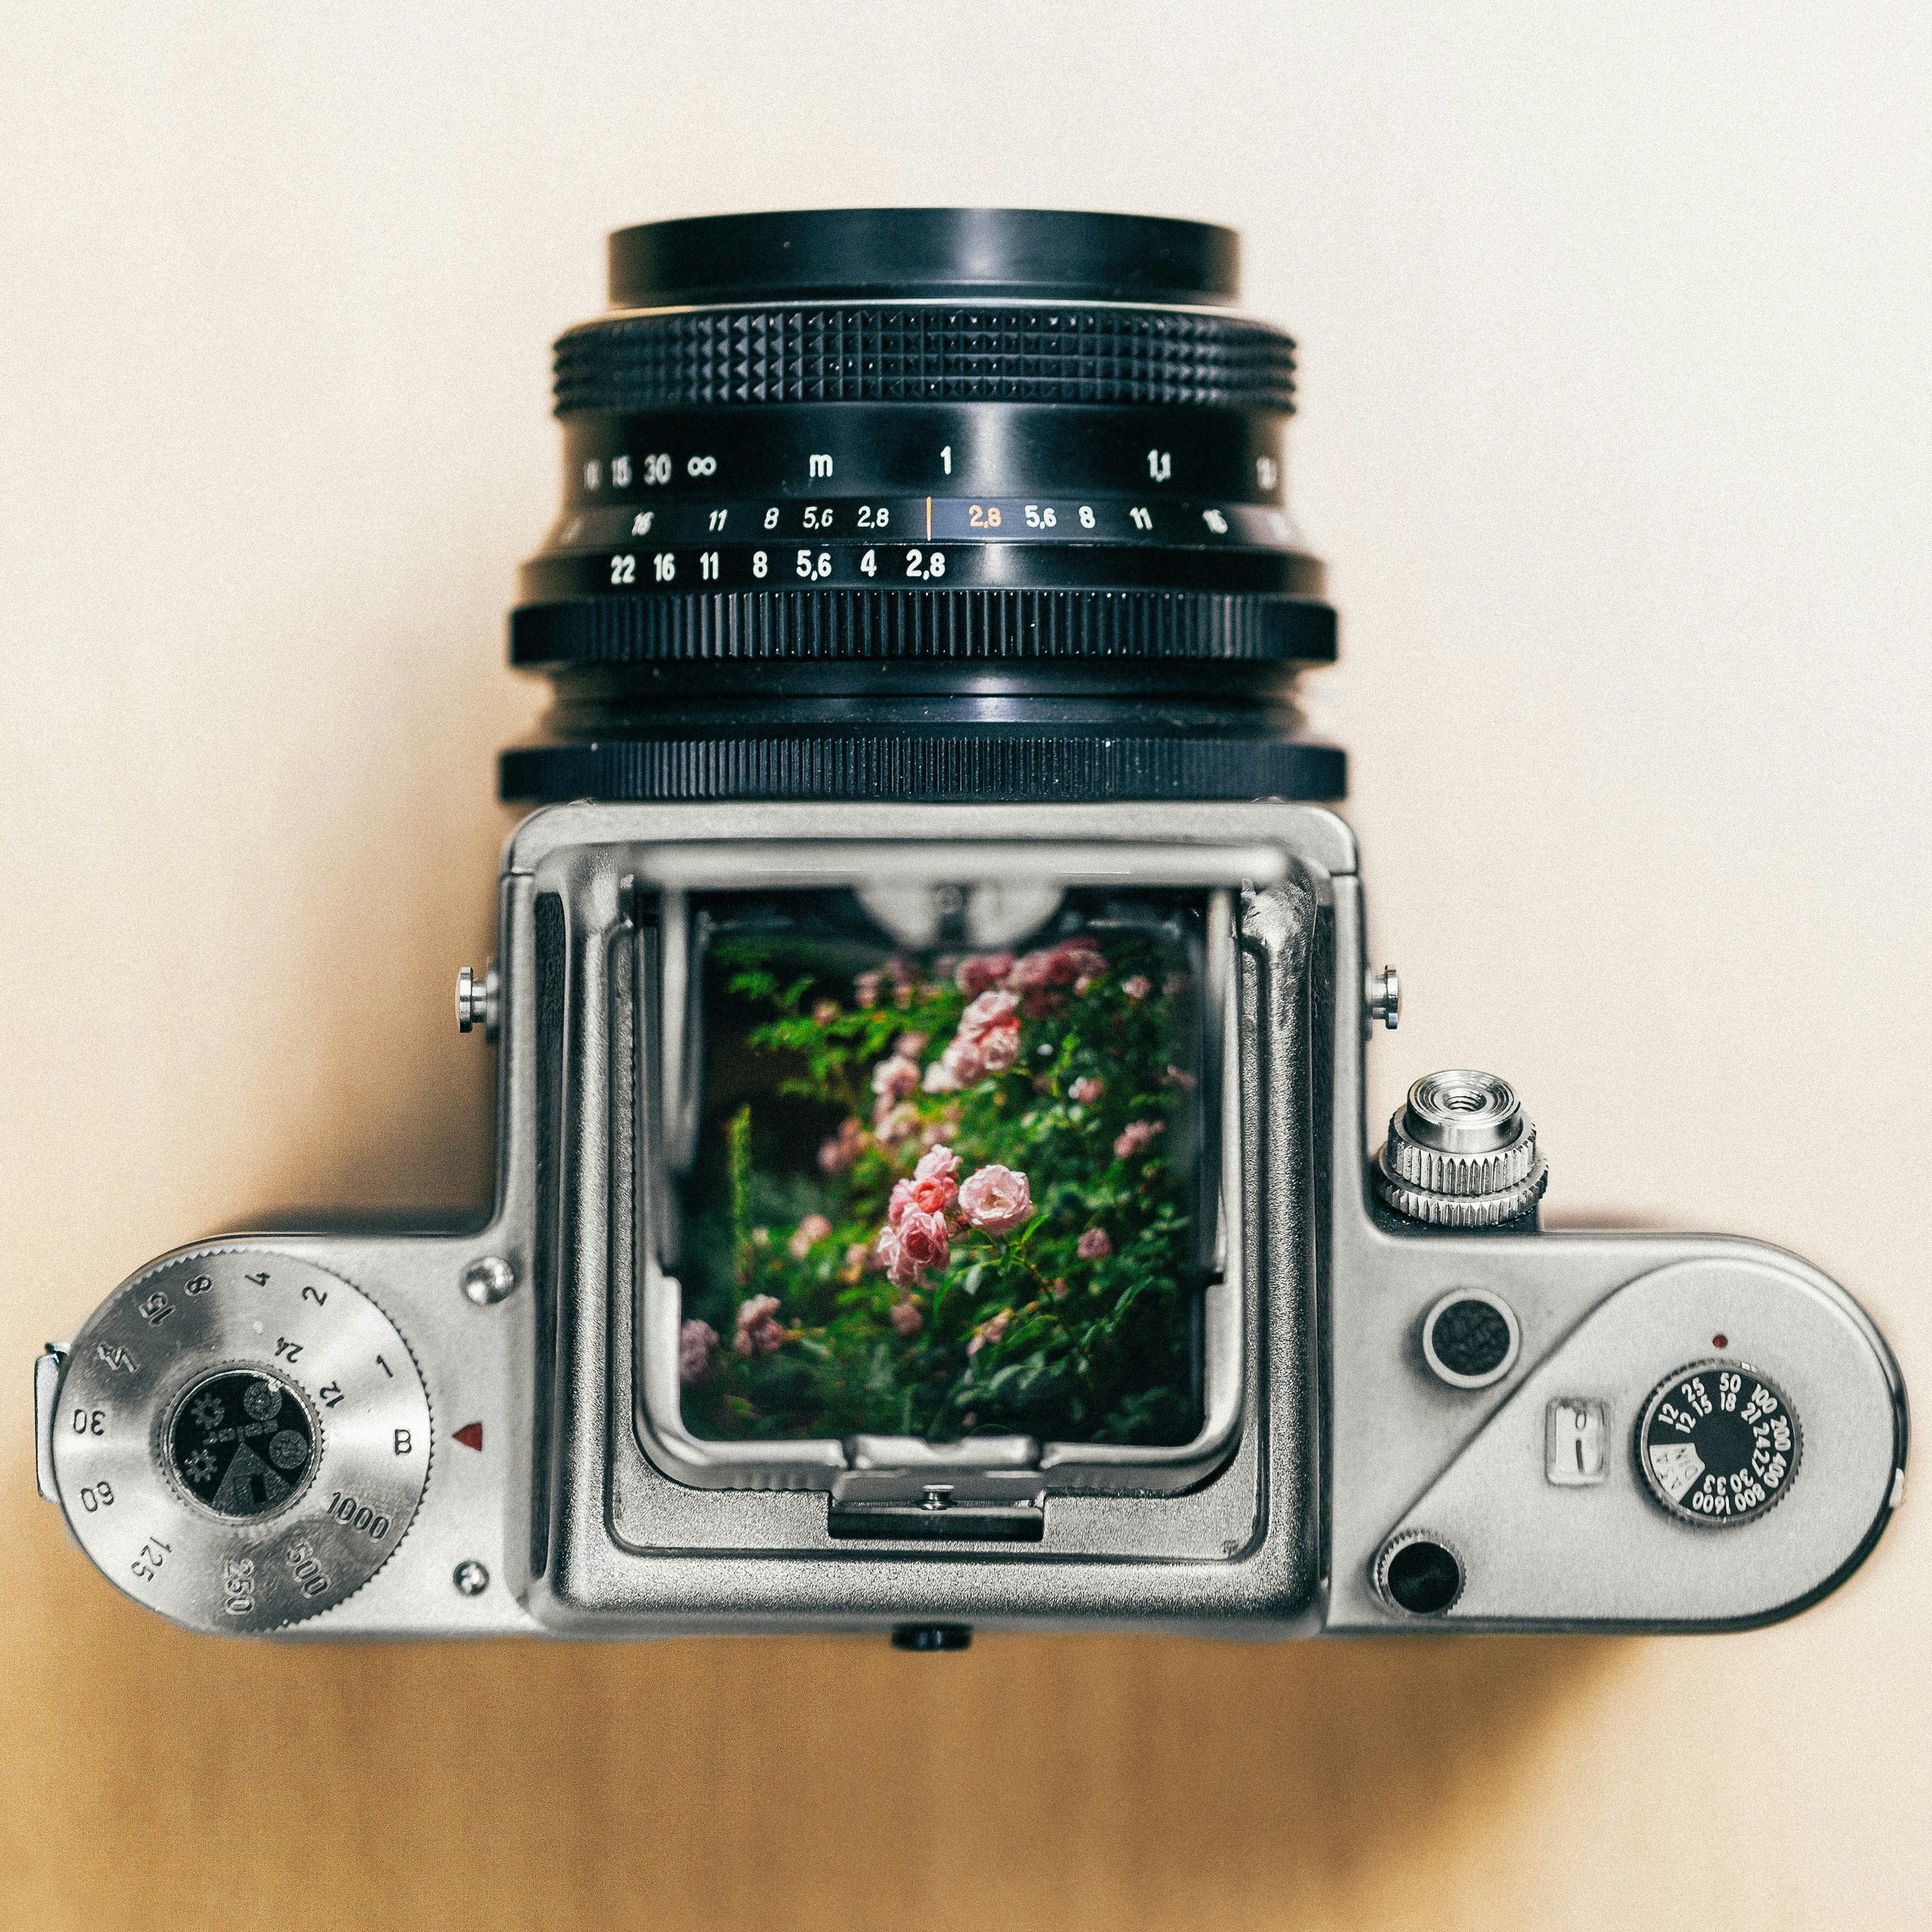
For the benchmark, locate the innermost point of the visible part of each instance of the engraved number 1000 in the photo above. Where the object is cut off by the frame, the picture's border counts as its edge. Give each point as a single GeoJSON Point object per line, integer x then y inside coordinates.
{"type": "Point", "coordinates": [358, 1515]}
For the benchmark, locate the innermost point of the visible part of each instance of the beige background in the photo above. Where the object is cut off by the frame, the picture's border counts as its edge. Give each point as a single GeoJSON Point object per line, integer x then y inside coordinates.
{"type": "Point", "coordinates": [1616, 431]}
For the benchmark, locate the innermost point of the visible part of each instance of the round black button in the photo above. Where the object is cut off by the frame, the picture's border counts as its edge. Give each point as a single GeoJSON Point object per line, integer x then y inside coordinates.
{"type": "Point", "coordinates": [241, 1442]}
{"type": "Point", "coordinates": [1421, 1577]}
{"type": "Point", "coordinates": [1470, 1339]}
{"type": "Point", "coordinates": [1718, 1444]}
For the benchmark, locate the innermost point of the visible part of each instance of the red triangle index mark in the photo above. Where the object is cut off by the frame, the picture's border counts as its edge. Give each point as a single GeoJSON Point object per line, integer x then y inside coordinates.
{"type": "Point", "coordinates": [470, 1435]}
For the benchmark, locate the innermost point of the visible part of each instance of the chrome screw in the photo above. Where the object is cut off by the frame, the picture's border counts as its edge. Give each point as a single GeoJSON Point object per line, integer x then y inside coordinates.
{"type": "Point", "coordinates": [486, 1281]}
{"type": "Point", "coordinates": [471, 1578]}
{"type": "Point", "coordinates": [478, 1006]}
{"type": "Point", "coordinates": [1385, 998]}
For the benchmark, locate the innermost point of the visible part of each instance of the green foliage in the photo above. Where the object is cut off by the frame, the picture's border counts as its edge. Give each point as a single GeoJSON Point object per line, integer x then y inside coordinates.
{"type": "Point", "coordinates": [1016, 1331]}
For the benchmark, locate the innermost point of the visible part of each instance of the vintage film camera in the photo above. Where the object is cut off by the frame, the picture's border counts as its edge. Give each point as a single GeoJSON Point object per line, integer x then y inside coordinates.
{"type": "Point", "coordinates": [934, 1188]}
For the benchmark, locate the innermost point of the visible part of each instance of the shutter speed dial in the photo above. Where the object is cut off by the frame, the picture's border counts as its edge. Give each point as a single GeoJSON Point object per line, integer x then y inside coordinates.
{"type": "Point", "coordinates": [241, 1439]}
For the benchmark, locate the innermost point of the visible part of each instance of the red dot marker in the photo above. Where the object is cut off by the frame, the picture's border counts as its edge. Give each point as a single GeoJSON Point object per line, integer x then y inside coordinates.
{"type": "Point", "coordinates": [470, 1435]}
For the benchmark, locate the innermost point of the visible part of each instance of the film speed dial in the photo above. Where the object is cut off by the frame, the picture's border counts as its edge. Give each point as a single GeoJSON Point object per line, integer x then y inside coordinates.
{"type": "Point", "coordinates": [241, 1439]}
{"type": "Point", "coordinates": [1718, 1444]}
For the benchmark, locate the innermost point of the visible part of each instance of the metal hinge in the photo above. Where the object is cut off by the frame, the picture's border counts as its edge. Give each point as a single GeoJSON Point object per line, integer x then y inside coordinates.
{"type": "Point", "coordinates": [46, 1383]}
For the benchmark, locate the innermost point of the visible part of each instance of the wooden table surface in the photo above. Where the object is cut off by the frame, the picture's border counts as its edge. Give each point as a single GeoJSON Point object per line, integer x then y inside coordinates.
{"type": "Point", "coordinates": [1614, 430]}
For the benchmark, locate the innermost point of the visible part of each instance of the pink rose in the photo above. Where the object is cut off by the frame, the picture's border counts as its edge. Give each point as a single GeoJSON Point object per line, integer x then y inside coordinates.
{"type": "Point", "coordinates": [980, 974]}
{"type": "Point", "coordinates": [760, 1331]}
{"type": "Point", "coordinates": [996, 967]}
{"type": "Point", "coordinates": [1000, 1048]}
{"type": "Point", "coordinates": [934, 1188]}
{"type": "Point", "coordinates": [1084, 967]}
{"type": "Point", "coordinates": [998, 1009]}
{"type": "Point", "coordinates": [934, 1197]}
{"type": "Point", "coordinates": [813, 1228]}
{"type": "Point", "coordinates": [865, 989]}
{"type": "Point", "coordinates": [1137, 988]}
{"type": "Point", "coordinates": [926, 1193]}
{"type": "Point", "coordinates": [905, 1318]}
{"type": "Point", "coordinates": [1088, 1089]}
{"type": "Point", "coordinates": [695, 1342]}
{"type": "Point", "coordinates": [838, 1152]}
{"type": "Point", "coordinates": [1067, 965]}
{"type": "Point", "coordinates": [939, 1162]}
{"type": "Point", "coordinates": [990, 1330]}
{"type": "Point", "coordinates": [893, 1079]}
{"type": "Point", "coordinates": [1135, 1135]}
{"type": "Point", "coordinates": [964, 1063]}
{"type": "Point", "coordinates": [996, 1199]}
{"type": "Point", "coordinates": [892, 1123]}
{"type": "Point", "coordinates": [940, 1078]}
{"type": "Point", "coordinates": [1094, 1245]}
{"type": "Point", "coordinates": [1034, 971]}
{"type": "Point", "coordinates": [923, 1241]}
{"type": "Point", "coordinates": [912, 1045]}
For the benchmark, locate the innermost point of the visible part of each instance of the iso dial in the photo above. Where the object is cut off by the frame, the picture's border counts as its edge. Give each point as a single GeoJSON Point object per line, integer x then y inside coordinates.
{"type": "Point", "coordinates": [1718, 1444]}
{"type": "Point", "coordinates": [241, 1439]}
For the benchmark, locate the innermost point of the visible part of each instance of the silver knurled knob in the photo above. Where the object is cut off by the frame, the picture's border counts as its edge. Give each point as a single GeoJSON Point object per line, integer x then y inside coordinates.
{"type": "Point", "coordinates": [1460, 1154]}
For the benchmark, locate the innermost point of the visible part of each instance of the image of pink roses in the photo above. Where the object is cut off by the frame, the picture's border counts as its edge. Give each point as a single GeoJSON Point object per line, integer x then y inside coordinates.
{"type": "Point", "coordinates": [983, 1233]}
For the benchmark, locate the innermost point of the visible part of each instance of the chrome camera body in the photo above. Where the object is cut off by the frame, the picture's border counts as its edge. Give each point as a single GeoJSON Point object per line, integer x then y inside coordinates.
{"type": "Point", "coordinates": [934, 1187]}
{"type": "Point", "coordinates": [540, 1461]}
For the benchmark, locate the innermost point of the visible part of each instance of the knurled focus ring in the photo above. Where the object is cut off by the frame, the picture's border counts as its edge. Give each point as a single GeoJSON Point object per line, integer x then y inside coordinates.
{"type": "Point", "coordinates": [922, 352]}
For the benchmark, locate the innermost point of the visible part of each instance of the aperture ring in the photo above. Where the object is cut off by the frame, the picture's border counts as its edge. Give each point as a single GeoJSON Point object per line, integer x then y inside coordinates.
{"type": "Point", "coordinates": [922, 352]}
{"type": "Point", "coordinates": [840, 624]}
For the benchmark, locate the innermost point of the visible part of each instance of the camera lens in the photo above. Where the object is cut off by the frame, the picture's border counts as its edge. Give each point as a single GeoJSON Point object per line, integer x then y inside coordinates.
{"type": "Point", "coordinates": [935, 503]}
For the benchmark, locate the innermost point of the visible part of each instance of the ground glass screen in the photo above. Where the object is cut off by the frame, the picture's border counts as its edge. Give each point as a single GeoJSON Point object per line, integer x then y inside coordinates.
{"type": "Point", "coordinates": [943, 1193]}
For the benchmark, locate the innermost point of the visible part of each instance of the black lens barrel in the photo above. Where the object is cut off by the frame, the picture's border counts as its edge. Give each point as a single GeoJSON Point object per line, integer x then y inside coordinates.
{"type": "Point", "coordinates": [931, 503]}
{"type": "Point", "coordinates": [1015, 254]}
